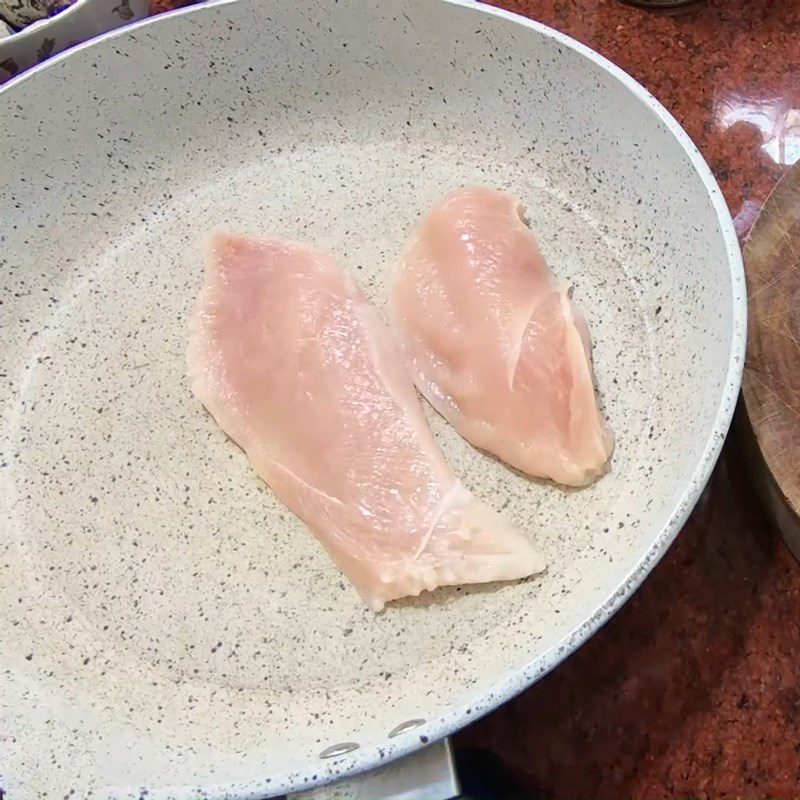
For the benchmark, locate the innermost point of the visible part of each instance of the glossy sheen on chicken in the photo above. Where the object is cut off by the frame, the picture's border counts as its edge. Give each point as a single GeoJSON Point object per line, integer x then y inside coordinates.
{"type": "Point", "coordinates": [298, 369]}
{"type": "Point", "coordinates": [495, 342]}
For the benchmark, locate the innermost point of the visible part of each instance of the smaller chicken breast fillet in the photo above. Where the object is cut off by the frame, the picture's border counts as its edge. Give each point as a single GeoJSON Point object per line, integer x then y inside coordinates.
{"type": "Point", "coordinates": [495, 342]}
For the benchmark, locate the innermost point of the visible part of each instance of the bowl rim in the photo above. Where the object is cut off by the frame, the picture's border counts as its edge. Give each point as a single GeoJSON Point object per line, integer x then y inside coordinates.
{"type": "Point", "coordinates": [512, 682]}
{"type": "Point", "coordinates": [42, 25]}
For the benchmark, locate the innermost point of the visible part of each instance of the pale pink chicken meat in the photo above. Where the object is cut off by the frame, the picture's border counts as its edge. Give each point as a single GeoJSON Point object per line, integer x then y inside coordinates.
{"type": "Point", "coordinates": [298, 369]}
{"type": "Point", "coordinates": [495, 342]}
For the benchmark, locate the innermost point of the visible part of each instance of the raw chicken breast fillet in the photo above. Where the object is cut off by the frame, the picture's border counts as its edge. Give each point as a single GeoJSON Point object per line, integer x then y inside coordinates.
{"type": "Point", "coordinates": [495, 342]}
{"type": "Point", "coordinates": [298, 369]}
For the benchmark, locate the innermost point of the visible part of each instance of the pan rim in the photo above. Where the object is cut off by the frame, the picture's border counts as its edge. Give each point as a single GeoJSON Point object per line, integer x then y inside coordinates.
{"type": "Point", "coordinates": [513, 682]}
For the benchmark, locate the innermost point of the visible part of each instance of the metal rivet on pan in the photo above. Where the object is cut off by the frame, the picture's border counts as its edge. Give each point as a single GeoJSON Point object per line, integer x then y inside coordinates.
{"type": "Point", "coordinates": [339, 749]}
{"type": "Point", "coordinates": [408, 725]}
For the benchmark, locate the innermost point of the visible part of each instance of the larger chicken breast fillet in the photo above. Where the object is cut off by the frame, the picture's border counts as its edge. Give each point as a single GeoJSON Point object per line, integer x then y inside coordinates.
{"type": "Point", "coordinates": [298, 369]}
{"type": "Point", "coordinates": [495, 342]}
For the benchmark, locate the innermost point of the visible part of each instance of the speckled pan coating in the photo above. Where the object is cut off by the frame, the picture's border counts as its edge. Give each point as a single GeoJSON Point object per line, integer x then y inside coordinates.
{"type": "Point", "coordinates": [168, 629]}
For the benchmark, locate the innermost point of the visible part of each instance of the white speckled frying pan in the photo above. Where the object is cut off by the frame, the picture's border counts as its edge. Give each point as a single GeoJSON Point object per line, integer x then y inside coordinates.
{"type": "Point", "coordinates": [166, 625]}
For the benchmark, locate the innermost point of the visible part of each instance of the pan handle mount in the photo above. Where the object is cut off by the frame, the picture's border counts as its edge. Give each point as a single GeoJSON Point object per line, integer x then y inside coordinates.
{"type": "Point", "coordinates": [428, 774]}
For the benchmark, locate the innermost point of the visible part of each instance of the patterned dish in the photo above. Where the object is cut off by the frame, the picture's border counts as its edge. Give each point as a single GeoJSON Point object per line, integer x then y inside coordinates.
{"type": "Point", "coordinates": [83, 20]}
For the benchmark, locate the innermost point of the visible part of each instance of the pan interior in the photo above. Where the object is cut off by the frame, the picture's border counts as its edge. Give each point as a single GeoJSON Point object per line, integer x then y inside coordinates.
{"type": "Point", "coordinates": [166, 621]}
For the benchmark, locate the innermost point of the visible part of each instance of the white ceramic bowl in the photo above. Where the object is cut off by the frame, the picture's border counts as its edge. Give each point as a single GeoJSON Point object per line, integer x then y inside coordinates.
{"type": "Point", "coordinates": [83, 20]}
{"type": "Point", "coordinates": [166, 624]}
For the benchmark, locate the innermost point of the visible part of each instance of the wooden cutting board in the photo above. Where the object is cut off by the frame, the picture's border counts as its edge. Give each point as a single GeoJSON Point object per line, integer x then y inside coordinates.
{"type": "Point", "coordinates": [771, 385]}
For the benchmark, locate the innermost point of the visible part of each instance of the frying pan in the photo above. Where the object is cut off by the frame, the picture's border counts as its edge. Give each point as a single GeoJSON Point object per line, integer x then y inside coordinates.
{"type": "Point", "coordinates": [169, 630]}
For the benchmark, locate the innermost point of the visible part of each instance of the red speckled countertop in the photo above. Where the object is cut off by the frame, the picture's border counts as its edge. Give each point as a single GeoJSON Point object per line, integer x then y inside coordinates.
{"type": "Point", "coordinates": [693, 689]}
